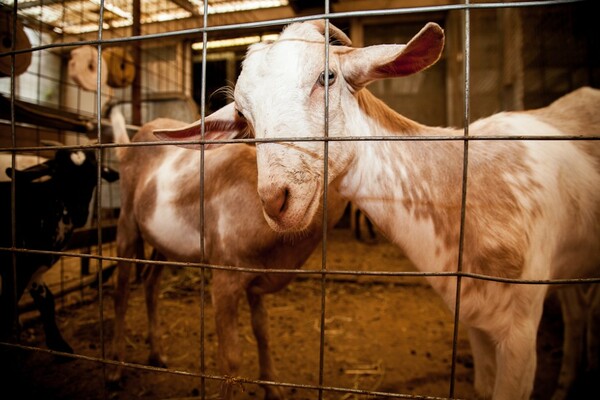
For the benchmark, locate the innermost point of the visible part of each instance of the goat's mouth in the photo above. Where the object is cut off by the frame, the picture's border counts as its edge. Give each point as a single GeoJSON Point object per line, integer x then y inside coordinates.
{"type": "Point", "coordinates": [294, 209]}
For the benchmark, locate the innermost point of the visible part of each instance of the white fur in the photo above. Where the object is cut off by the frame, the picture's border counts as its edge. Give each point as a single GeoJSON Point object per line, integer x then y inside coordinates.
{"type": "Point", "coordinates": [78, 157]}
{"type": "Point", "coordinates": [165, 224]}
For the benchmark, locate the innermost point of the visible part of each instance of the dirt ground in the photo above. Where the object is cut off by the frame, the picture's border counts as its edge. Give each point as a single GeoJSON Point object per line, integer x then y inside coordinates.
{"type": "Point", "coordinates": [387, 334]}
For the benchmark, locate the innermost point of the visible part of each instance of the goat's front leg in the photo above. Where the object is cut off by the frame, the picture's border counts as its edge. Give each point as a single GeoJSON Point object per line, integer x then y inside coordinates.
{"type": "Point", "coordinates": [151, 290]}
{"type": "Point", "coordinates": [121, 300]}
{"type": "Point", "coordinates": [574, 319]}
{"type": "Point", "coordinates": [484, 362]}
{"type": "Point", "coordinates": [516, 358]}
{"type": "Point", "coordinates": [226, 293]}
{"type": "Point", "coordinates": [260, 327]}
{"type": "Point", "coordinates": [516, 364]}
{"type": "Point", "coordinates": [129, 245]}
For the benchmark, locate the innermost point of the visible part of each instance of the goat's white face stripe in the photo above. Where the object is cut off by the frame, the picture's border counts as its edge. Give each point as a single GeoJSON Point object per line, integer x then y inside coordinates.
{"type": "Point", "coordinates": [78, 157]}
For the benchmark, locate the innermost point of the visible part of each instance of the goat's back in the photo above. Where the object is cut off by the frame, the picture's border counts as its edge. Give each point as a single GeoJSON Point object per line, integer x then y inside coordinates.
{"type": "Point", "coordinates": [575, 113]}
{"type": "Point", "coordinates": [532, 187]}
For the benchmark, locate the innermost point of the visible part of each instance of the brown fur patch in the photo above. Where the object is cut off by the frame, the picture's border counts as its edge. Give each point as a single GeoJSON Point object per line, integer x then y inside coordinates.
{"type": "Point", "coordinates": [495, 222]}
{"type": "Point", "coordinates": [384, 115]}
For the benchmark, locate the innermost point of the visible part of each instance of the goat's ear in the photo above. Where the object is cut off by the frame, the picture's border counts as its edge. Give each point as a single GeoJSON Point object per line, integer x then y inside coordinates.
{"type": "Point", "coordinates": [32, 173]}
{"type": "Point", "coordinates": [364, 65]}
{"type": "Point", "coordinates": [221, 125]}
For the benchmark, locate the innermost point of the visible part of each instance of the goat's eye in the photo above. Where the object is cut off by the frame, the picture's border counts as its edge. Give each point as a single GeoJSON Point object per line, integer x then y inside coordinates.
{"type": "Point", "coordinates": [239, 114]}
{"type": "Point", "coordinates": [331, 77]}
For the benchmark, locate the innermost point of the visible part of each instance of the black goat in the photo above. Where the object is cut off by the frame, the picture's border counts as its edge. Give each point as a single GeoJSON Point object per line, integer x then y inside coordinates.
{"type": "Point", "coordinates": [51, 200]}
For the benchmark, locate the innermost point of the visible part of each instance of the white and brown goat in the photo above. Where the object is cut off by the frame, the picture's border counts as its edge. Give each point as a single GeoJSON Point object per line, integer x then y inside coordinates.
{"type": "Point", "coordinates": [532, 206]}
{"type": "Point", "coordinates": [160, 205]}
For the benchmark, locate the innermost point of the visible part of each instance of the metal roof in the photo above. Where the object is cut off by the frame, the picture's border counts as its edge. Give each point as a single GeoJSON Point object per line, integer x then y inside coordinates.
{"type": "Point", "coordinates": [72, 17]}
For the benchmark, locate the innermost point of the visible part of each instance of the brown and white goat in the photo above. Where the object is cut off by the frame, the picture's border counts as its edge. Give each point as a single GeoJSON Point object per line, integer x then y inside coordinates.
{"type": "Point", "coordinates": [532, 206]}
{"type": "Point", "coordinates": [160, 205]}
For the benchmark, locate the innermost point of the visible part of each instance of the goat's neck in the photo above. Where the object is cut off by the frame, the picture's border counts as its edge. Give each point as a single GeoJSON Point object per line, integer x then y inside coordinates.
{"type": "Point", "coordinates": [408, 188]}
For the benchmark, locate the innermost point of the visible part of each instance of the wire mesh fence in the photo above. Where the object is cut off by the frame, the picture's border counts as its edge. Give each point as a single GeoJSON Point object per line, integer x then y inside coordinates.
{"type": "Point", "coordinates": [163, 58]}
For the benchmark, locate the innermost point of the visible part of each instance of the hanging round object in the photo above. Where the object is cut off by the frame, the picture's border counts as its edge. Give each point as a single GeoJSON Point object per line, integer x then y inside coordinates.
{"type": "Point", "coordinates": [20, 42]}
{"type": "Point", "coordinates": [83, 68]}
{"type": "Point", "coordinates": [121, 68]}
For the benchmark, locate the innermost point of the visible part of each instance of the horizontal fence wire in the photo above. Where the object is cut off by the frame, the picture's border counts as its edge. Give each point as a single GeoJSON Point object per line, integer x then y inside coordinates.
{"type": "Point", "coordinates": [199, 265]}
{"type": "Point", "coordinates": [204, 31]}
{"type": "Point", "coordinates": [300, 139]}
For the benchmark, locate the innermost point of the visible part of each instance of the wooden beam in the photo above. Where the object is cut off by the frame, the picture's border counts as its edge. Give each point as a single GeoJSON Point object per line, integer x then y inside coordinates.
{"type": "Point", "coordinates": [86, 237]}
{"type": "Point", "coordinates": [191, 23]}
{"type": "Point", "coordinates": [136, 86]}
{"type": "Point", "coordinates": [41, 3]}
{"type": "Point", "coordinates": [259, 15]}
{"type": "Point", "coordinates": [358, 5]}
{"type": "Point", "coordinates": [187, 6]}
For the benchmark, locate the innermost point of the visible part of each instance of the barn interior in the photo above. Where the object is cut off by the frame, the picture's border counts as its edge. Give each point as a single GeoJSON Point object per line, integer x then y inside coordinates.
{"type": "Point", "coordinates": [362, 322]}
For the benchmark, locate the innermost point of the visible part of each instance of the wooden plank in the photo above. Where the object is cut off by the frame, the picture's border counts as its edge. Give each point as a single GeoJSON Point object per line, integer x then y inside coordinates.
{"type": "Point", "coordinates": [259, 15]}
{"type": "Point", "coordinates": [136, 86]}
{"type": "Point", "coordinates": [357, 5]}
{"type": "Point", "coordinates": [31, 136]}
{"type": "Point", "coordinates": [187, 6]}
{"type": "Point", "coordinates": [87, 237]}
{"type": "Point", "coordinates": [50, 117]}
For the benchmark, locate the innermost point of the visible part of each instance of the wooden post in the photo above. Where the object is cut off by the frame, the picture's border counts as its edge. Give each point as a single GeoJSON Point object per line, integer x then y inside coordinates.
{"type": "Point", "coordinates": [136, 87]}
{"type": "Point", "coordinates": [512, 60]}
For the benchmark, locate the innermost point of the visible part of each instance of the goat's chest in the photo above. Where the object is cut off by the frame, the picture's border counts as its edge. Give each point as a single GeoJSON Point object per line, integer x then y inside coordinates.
{"type": "Point", "coordinates": [167, 222]}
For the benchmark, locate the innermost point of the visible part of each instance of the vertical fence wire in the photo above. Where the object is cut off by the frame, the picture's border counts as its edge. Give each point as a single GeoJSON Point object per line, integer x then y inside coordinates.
{"type": "Point", "coordinates": [463, 205]}
{"type": "Point", "coordinates": [321, 387]}
{"type": "Point", "coordinates": [324, 199]}
{"type": "Point", "coordinates": [98, 192]}
{"type": "Point", "coordinates": [14, 316]}
{"type": "Point", "coordinates": [202, 209]}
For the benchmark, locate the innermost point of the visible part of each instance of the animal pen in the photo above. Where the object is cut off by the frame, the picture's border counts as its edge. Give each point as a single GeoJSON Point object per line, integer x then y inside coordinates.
{"type": "Point", "coordinates": [358, 320]}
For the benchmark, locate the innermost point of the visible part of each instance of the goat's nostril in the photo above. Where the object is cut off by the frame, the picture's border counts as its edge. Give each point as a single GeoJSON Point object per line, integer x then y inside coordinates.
{"type": "Point", "coordinates": [275, 201]}
{"type": "Point", "coordinates": [284, 200]}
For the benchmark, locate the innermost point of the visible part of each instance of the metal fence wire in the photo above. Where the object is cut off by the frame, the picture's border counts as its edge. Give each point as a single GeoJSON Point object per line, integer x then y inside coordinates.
{"type": "Point", "coordinates": [101, 38]}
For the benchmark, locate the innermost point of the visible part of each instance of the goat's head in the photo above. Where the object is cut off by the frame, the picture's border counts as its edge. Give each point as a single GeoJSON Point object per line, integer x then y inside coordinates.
{"type": "Point", "coordinates": [73, 175]}
{"type": "Point", "coordinates": [280, 94]}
